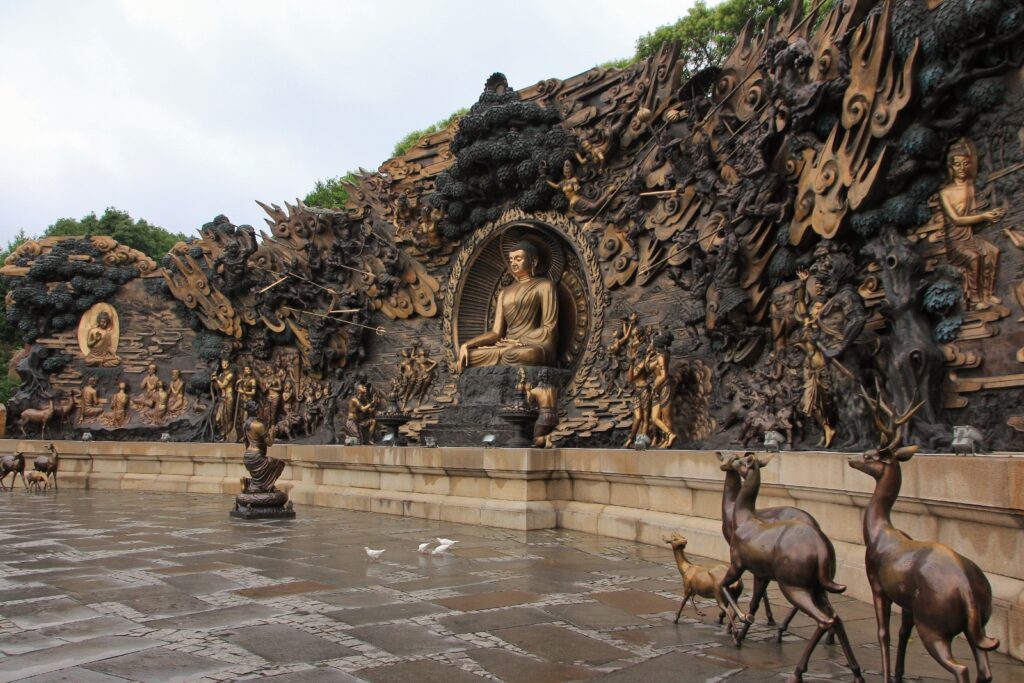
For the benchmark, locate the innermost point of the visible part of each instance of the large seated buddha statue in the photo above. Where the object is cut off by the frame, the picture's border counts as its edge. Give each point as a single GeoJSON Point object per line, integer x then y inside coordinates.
{"type": "Point", "coordinates": [525, 328]}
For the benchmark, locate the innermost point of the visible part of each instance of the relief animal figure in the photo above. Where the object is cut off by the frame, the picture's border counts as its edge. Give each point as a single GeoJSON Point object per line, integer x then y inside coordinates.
{"type": "Point", "coordinates": [48, 464]}
{"type": "Point", "coordinates": [704, 581]}
{"type": "Point", "coordinates": [63, 409]}
{"type": "Point", "coordinates": [13, 465]}
{"type": "Point", "coordinates": [913, 364]}
{"type": "Point", "coordinates": [938, 590]}
{"type": "Point", "coordinates": [730, 493]}
{"type": "Point", "coordinates": [37, 481]}
{"type": "Point", "coordinates": [796, 555]}
{"type": "Point", "coordinates": [39, 416]}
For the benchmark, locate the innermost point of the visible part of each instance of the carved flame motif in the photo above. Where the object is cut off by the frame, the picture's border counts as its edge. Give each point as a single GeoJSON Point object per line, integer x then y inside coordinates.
{"type": "Point", "coordinates": [842, 175]}
{"type": "Point", "coordinates": [190, 285]}
{"type": "Point", "coordinates": [316, 268]}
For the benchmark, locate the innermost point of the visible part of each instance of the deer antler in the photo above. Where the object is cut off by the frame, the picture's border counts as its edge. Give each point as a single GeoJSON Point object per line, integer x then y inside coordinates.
{"type": "Point", "coordinates": [889, 423]}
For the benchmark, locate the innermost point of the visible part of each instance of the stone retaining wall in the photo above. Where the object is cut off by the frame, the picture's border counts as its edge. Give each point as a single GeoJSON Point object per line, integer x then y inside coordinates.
{"type": "Point", "coordinates": [973, 504]}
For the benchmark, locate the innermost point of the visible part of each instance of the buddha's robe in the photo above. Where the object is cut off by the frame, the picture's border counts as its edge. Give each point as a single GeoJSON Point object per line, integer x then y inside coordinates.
{"type": "Point", "coordinates": [530, 313]}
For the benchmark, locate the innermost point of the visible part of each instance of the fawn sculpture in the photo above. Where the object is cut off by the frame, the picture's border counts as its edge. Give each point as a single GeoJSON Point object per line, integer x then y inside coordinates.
{"type": "Point", "coordinates": [729, 494]}
{"type": "Point", "coordinates": [938, 590]}
{"type": "Point", "coordinates": [796, 555]}
{"type": "Point", "coordinates": [702, 580]}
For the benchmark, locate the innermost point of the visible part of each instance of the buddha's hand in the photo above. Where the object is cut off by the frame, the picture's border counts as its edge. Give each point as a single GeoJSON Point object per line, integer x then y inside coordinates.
{"type": "Point", "coordinates": [463, 357]}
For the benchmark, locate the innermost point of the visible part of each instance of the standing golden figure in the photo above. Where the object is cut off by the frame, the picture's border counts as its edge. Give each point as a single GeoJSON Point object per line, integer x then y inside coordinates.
{"type": "Point", "coordinates": [525, 328]}
{"type": "Point", "coordinates": [223, 387]}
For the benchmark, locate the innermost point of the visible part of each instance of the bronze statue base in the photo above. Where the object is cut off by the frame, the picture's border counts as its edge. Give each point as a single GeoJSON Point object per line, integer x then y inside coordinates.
{"type": "Point", "coordinates": [483, 393]}
{"type": "Point", "coordinates": [392, 422]}
{"type": "Point", "coordinates": [522, 421]}
{"type": "Point", "coordinates": [273, 505]}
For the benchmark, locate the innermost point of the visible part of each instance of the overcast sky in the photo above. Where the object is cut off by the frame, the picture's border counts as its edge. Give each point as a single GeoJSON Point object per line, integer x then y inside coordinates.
{"type": "Point", "coordinates": [177, 111]}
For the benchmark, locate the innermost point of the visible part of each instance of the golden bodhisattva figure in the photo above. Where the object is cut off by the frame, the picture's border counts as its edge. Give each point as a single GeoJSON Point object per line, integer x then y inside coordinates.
{"type": "Point", "coordinates": [975, 256]}
{"type": "Point", "coordinates": [525, 328]}
{"type": "Point", "coordinates": [246, 386]}
{"type": "Point", "coordinates": [223, 387]}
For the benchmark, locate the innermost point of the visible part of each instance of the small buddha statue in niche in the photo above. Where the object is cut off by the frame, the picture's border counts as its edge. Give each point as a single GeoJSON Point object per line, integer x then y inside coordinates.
{"type": "Point", "coordinates": [102, 343]}
{"type": "Point", "coordinates": [525, 328]}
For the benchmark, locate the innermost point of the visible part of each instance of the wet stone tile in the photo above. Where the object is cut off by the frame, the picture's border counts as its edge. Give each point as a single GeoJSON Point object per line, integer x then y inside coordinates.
{"type": "Point", "coordinates": [282, 589]}
{"type": "Point", "coordinates": [90, 628]}
{"type": "Point", "coordinates": [406, 639]}
{"type": "Point", "coordinates": [73, 654]}
{"type": "Point", "coordinates": [471, 603]}
{"type": "Point", "coordinates": [492, 620]}
{"type": "Point", "coordinates": [637, 602]}
{"type": "Point", "coordinates": [373, 615]}
{"type": "Point", "coordinates": [557, 644]}
{"type": "Point", "coordinates": [74, 674]}
{"type": "Point", "coordinates": [192, 568]}
{"type": "Point", "coordinates": [286, 645]}
{"type": "Point", "coordinates": [216, 618]}
{"type": "Point", "coordinates": [595, 615]}
{"type": "Point", "coordinates": [158, 665]}
{"type": "Point", "coordinates": [356, 598]}
{"type": "Point", "coordinates": [515, 668]}
{"type": "Point", "coordinates": [316, 675]}
{"type": "Point", "coordinates": [201, 583]}
{"type": "Point", "coordinates": [27, 641]}
{"type": "Point", "coordinates": [167, 604]}
{"type": "Point", "coordinates": [46, 613]}
{"type": "Point", "coordinates": [423, 671]}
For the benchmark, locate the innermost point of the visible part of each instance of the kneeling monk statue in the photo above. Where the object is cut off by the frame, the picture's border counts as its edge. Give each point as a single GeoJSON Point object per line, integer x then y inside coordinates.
{"type": "Point", "coordinates": [260, 498]}
{"type": "Point", "coordinates": [525, 328]}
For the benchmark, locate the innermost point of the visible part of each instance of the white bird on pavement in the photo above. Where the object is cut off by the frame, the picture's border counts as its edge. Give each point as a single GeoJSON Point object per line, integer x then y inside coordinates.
{"type": "Point", "coordinates": [424, 548]}
{"type": "Point", "coordinates": [443, 548]}
{"type": "Point", "coordinates": [446, 541]}
{"type": "Point", "coordinates": [373, 554]}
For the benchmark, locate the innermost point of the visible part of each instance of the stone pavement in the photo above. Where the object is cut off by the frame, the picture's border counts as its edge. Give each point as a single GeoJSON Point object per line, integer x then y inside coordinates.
{"type": "Point", "coordinates": [161, 587]}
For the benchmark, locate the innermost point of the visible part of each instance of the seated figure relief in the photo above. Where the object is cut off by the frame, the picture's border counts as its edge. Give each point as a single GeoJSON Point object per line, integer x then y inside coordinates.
{"type": "Point", "coordinates": [525, 330]}
{"type": "Point", "coordinates": [976, 257]}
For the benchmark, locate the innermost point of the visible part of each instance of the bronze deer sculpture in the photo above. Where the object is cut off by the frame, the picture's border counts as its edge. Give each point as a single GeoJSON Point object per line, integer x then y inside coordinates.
{"type": "Point", "coordinates": [13, 465]}
{"type": "Point", "coordinates": [49, 463]}
{"type": "Point", "coordinates": [938, 590]}
{"type": "Point", "coordinates": [703, 581]}
{"type": "Point", "coordinates": [796, 555]}
{"type": "Point", "coordinates": [730, 492]}
{"type": "Point", "coordinates": [38, 416]}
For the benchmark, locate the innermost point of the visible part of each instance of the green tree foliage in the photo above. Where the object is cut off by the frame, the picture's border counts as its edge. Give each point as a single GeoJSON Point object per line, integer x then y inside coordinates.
{"type": "Point", "coordinates": [707, 33]}
{"type": "Point", "coordinates": [616, 63]}
{"type": "Point", "coordinates": [151, 240]}
{"type": "Point", "coordinates": [10, 340]}
{"type": "Point", "coordinates": [406, 143]}
{"type": "Point", "coordinates": [330, 193]}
